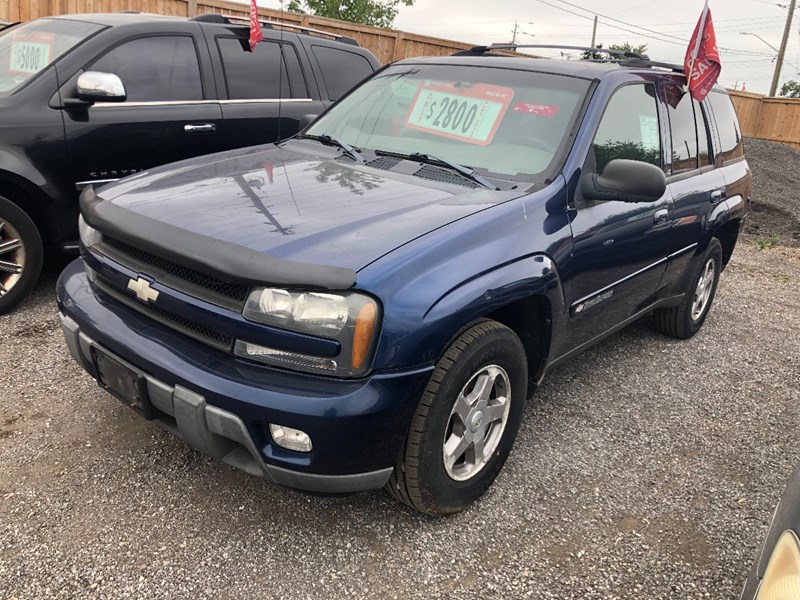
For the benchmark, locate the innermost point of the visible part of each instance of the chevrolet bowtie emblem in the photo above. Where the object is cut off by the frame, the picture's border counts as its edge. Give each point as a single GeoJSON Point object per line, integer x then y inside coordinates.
{"type": "Point", "coordinates": [143, 290]}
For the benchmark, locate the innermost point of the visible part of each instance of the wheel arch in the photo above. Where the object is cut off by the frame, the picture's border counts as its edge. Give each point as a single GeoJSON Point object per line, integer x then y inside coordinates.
{"type": "Point", "coordinates": [728, 234]}
{"type": "Point", "coordinates": [524, 295]}
{"type": "Point", "coordinates": [30, 198]}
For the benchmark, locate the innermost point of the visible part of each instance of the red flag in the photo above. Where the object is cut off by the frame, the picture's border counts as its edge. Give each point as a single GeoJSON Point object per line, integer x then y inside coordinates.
{"type": "Point", "coordinates": [255, 27]}
{"type": "Point", "coordinates": [702, 63]}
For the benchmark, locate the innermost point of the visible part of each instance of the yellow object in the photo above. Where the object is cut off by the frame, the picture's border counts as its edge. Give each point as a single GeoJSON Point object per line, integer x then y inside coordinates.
{"type": "Point", "coordinates": [782, 577]}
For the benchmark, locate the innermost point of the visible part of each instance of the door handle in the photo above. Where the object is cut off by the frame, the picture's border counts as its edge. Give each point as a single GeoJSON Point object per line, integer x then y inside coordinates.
{"type": "Point", "coordinates": [200, 128]}
{"type": "Point", "coordinates": [660, 216]}
{"type": "Point", "coordinates": [718, 196]}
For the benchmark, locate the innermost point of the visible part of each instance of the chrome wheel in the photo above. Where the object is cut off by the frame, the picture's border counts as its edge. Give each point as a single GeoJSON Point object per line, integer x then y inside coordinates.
{"type": "Point", "coordinates": [476, 423]}
{"type": "Point", "coordinates": [703, 292]}
{"type": "Point", "coordinates": [12, 257]}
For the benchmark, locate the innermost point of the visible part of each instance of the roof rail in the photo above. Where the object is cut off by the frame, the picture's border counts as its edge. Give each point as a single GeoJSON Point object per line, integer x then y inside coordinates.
{"type": "Point", "coordinates": [218, 18]}
{"type": "Point", "coordinates": [638, 63]}
{"type": "Point", "coordinates": [484, 49]}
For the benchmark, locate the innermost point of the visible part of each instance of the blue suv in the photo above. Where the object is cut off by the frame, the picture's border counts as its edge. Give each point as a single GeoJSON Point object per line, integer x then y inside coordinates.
{"type": "Point", "coordinates": [371, 303]}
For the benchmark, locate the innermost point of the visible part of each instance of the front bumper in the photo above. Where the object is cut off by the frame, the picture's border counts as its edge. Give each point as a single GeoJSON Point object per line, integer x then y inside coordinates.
{"type": "Point", "coordinates": [222, 405]}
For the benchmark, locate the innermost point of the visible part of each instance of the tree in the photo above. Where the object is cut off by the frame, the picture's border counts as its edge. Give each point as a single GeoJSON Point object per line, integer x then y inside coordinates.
{"type": "Point", "coordinates": [380, 13]}
{"type": "Point", "coordinates": [790, 89]}
{"type": "Point", "coordinates": [626, 47]}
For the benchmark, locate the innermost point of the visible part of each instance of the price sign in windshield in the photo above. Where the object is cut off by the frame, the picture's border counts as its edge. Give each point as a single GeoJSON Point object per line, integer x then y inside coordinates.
{"type": "Point", "coordinates": [30, 53]}
{"type": "Point", "coordinates": [470, 114]}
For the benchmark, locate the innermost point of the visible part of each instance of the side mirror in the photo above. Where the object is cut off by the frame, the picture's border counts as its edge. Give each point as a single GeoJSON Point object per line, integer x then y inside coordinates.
{"type": "Point", "coordinates": [625, 181]}
{"type": "Point", "coordinates": [305, 121]}
{"type": "Point", "coordinates": [94, 86]}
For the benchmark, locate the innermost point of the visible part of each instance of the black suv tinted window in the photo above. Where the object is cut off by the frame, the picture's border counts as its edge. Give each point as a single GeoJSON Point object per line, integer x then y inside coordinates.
{"type": "Point", "coordinates": [262, 73]}
{"type": "Point", "coordinates": [684, 132]}
{"type": "Point", "coordinates": [730, 136]}
{"type": "Point", "coordinates": [703, 136]}
{"type": "Point", "coordinates": [156, 68]}
{"type": "Point", "coordinates": [341, 69]}
{"type": "Point", "coordinates": [629, 127]}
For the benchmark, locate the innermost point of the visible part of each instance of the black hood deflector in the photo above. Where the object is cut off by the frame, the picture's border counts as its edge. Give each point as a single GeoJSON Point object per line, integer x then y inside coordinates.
{"type": "Point", "coordinates": [224, 260]}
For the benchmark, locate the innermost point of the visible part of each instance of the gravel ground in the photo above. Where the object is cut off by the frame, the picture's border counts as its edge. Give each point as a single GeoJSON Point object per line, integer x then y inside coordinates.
{"type": "Point", "coordinates": [645, 468]}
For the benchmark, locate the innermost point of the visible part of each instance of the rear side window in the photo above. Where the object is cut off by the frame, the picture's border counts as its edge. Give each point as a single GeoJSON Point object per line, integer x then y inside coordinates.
{"type": "Point", "coordinates": [730, 136]}
{"type": "Point", "coordinates": [157, 68]}
{"type": "Point", "coordinates": [629, 128]}
{"type": "Point", "coordinates": [341, 69]}
{"type": "Point", "coordinates": [261, 74]}
{"type": "Point", "coordinates": [703, 137]}
{"type": "Point", "coordinates": [684, 132]}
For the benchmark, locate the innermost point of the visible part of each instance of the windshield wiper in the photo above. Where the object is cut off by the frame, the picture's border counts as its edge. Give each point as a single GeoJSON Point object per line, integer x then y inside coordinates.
{"type": "Point", "coordinates": [439, 162]}
{"type": "Point", "coordinates": [332, 141]}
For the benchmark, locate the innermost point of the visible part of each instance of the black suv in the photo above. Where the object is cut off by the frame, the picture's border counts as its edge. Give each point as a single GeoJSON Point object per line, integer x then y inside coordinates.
{"type": "Point", "coordinates": [93, 98]}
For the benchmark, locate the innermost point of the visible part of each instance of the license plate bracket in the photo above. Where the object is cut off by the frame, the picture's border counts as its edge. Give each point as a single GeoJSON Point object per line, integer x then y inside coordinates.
{"type": "Point", "coordinates": [127, 385]}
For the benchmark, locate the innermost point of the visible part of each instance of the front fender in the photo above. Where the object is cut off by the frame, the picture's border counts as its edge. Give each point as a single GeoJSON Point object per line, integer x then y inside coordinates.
{"type": "Point", "coordinates": [424, 342]}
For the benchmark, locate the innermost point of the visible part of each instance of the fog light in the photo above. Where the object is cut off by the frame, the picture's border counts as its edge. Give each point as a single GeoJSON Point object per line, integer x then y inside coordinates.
{"type": "Point", "coordinates": [291, 439]}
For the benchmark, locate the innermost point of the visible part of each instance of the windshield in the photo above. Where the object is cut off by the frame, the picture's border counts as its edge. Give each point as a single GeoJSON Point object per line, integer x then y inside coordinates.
{"type": "Point", "coordinates": [28, 49]}
{"type": "Point", "coordinates": [503, 122]}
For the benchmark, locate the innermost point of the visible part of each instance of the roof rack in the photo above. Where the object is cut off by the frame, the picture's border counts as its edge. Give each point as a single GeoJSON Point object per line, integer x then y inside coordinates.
{"type": "Point", "coordinates": [484, 49]}
{"type": "Point", "coordinates": [222, 19]}
{"type": "Point", "coordinates": [617, 57]}
{"type": "Point", "coordinates": [637, 63]}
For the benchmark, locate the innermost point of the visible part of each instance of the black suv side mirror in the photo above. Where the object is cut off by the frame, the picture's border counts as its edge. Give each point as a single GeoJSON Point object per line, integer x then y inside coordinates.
{"type": "Point", "coordinates": [626, 181]}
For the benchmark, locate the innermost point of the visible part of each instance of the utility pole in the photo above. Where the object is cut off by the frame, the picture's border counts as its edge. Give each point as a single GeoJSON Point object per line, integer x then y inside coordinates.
{"type": "Point", "coordinates": [594, 32]}
{"type": "Point", "coordinates": [782, 52]}
{"type": "Point", "coordinates": [514, 37]}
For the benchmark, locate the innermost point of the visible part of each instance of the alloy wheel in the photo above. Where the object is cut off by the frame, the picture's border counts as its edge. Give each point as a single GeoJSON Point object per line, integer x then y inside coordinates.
{"type": "Point", "coordinates": [476, 423]}
{"type": "Point", "coordinates": [12, 257]}
{"type": "Point", "coordinates": [703, 291]}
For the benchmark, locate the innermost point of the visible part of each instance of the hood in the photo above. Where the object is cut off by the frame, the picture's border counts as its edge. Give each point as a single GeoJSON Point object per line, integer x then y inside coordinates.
{"type": "Point", "coordinates": [300, 201]}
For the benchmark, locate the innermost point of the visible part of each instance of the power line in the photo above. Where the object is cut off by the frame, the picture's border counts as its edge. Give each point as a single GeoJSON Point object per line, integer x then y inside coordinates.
{"type": "Point", "coordinates": [661, 36]}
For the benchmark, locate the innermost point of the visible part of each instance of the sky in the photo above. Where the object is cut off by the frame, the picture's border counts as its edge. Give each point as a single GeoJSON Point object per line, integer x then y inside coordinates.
{"type": "Point", "coordinates": [664, 25]}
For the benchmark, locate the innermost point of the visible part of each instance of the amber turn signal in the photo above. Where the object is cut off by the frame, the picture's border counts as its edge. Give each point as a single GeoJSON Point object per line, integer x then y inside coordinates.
{"type": "Point", "coordinates": [362, 334]}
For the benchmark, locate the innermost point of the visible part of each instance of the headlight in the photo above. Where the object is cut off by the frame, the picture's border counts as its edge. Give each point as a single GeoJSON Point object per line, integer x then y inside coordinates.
{"type": "Point", "coordinates": [782, 577]}
{"type": "Point", "coordinates": [349, 318]}
{"type": "Point", "coordinates": [89, 235]}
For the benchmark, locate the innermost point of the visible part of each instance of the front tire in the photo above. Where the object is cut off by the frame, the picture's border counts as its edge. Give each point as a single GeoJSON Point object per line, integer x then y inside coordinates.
{"type": "Point", "coordinates": [465, 423]}
{"type": "Point", "coordinates": [686, 319]}
{"type": "Point", "coordinates": [21, 255]}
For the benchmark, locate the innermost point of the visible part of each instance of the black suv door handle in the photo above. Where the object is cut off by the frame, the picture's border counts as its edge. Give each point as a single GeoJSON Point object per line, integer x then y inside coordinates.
{"type": "Point", "coordinates": [200, 128]}
{"type": "Point", "coordinates": [718, 196]}
{"type": "Point", "coordinates": [660, 216]}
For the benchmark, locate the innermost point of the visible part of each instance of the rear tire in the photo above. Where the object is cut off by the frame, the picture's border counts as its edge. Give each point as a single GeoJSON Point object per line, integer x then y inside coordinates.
{"type": "Point", "coordinates": [686, 319]}
{"type": "Point", "coordinates": [465, 423]}
{"type": "Point", "coordinates": [21, 255]}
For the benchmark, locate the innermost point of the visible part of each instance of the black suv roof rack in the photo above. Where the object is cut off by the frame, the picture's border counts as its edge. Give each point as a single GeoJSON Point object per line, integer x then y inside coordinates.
{"type": "Point", "coordinates": [618, 57]}
{"type": "Point", "coordinates": [225, 20]}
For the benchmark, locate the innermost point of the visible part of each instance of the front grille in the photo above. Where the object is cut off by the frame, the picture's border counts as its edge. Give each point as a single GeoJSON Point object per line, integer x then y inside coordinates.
{"type": "Point", "coordinates": [436, 174]}
{"type": "Point", "coordinates": [198, 332]}
{"type": "Point", "coordinates": [200, 281]}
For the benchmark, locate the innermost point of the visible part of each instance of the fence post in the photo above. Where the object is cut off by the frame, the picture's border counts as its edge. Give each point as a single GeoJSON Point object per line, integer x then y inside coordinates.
{"type": "Point", "coordinates": [399, 43]}
{"type": "Point", "coordinates": [191, 8]}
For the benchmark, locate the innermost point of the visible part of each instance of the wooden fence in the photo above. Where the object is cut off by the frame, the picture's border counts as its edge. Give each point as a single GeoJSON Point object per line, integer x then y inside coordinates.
{"type": "Point", "coordinates": [387, 44]}
{"type": "Point", "coordinates": [765, 118]}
